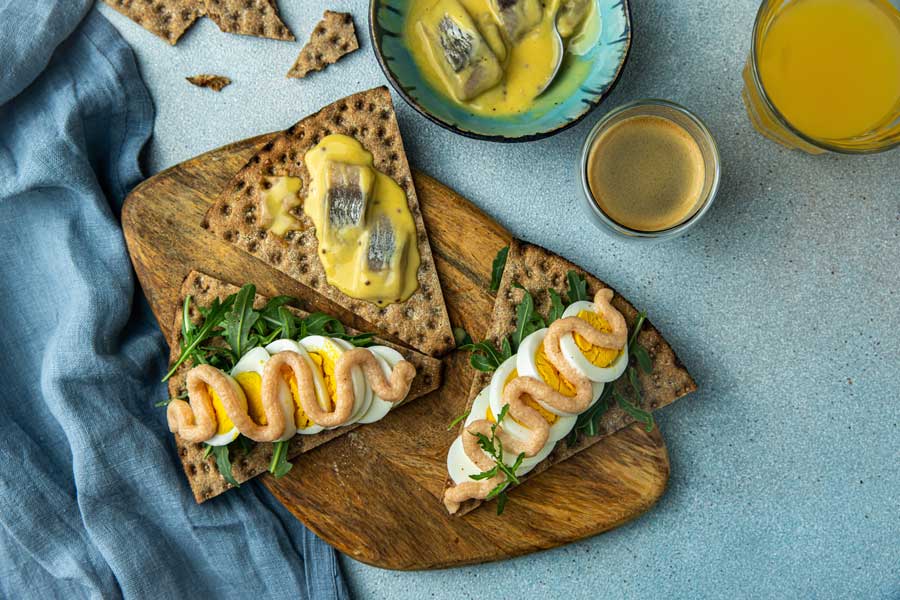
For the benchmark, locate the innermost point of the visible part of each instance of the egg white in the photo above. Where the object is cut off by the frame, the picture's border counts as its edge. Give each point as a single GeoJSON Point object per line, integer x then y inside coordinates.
{"type": "Point", "coordinates": [255, 361]}
{"type": "Point", "coordinates": [387, 358]}
{"type": "Point", "coordinates": [360, 406]}
{"type": "Point", "coordinates": [361, 392]}
{"type": "Point", "coordinates": [558, 430]}
{"type": "Point", "coordinates": [318, 383]}
{"type": "Point", "coordinates": [460, 466]}
{"type": "Point", "coordinates": [526, 366]}
{"type": "Point", "coordinates": [576, 357]}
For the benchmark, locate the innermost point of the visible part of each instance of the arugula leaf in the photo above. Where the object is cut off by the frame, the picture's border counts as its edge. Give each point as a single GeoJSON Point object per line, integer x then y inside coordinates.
{"type": "Point", "coordinates": [167, 401]}
{"type": "Point", "coordinates": [485, 357]}
{"type": "Point", "coordinates": [484, 475]}
{"type": "Point", "coordinates": [527, 320]}
{"type": "Point", "coordinates": [556, 306]}
{"type": "Point", "coordinates": [643, 358]}
{"type": "Point", "coordinates": [577, 287]}
{"type": "Point", "coordinates": [207, 451]}
{"type": "Point", "coordinates": [501, 502]}
{"type": "Point", "coordinates": [193, 336]}
{"type": "Point", "coordinates": [239, 321]}
{"type": "Point", "coordinates": [320, 323]}
{"type": "Point", "coordinates": [634, 412]}
{"type": "Point", "coordinates": [223, 463]}
{"type": "Point", "coordinates": [279, 465]}
{"type": "Point", "coordinates": [498, 267]}
{"type": "Point", "coordinates": [457, 420]}
{"type": "Point", "coordinates": [461, 337]}
{"type": "Point", "coordinates": [245, 443]}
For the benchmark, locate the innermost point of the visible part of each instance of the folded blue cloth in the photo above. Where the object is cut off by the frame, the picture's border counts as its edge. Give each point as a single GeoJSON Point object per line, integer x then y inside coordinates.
{"type": "Point", "coordinates": [93, 502]}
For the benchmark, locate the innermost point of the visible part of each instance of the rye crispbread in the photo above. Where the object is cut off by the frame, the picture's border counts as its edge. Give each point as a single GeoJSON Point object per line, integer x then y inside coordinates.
{"type": "Point", "coordinates": [333, 38]}
{"type": "Point", "coordinates": [202, 474]}
{"type": "Point", "coordinates": [538, 269]}
{"type": "Point", "coordinates": [169, 19]}
{"type": "Point", "coordinates": [214, 82]}
{"type": "Point", "coordinates": [421, 321]}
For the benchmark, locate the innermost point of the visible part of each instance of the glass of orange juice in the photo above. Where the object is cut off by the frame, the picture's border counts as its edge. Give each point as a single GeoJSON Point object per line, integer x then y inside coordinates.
{"type": "Point", "coordinates": [824, 75]}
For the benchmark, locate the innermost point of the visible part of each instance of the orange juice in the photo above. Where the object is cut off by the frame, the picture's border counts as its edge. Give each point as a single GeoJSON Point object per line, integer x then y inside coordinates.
{"type": "Point", "coordinates": [832, 67]}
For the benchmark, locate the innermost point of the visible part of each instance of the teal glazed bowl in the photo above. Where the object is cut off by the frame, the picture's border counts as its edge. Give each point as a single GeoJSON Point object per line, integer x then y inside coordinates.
{"type": "Point", "coordinates": [582, 83]}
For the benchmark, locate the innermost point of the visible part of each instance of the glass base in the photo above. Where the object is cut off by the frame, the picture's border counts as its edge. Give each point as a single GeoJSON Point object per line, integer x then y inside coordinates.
{"type": "Point", "coordinates": [765, 121]}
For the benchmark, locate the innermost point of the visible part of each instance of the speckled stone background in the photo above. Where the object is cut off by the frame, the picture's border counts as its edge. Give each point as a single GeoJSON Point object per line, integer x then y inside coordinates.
{"type": "Point", "coordinates": [783, 303]}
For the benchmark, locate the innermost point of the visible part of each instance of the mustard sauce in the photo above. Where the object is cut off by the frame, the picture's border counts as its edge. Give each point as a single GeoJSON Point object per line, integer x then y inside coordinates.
{"type": "Point", "coordinates": [366, 233]}
{"type": "Point", "coordinates": [495, 57]}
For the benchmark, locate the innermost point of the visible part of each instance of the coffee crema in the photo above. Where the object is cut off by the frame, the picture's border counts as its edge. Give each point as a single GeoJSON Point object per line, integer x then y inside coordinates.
{"type": "Point", "coordinates": [646, 173]}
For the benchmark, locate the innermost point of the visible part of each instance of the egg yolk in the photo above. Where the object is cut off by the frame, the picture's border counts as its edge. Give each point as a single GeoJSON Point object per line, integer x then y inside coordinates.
{"type": "Point", "coordinates": [529, 401]}
{"type": "Point", "coordinates": [599, 357]}
{"type": "Point", "coordinates": [300, 419]}
{"type": "Point", "coordinates": [223, 423]}
{"type": "Point", "coordinates": [251, 383]}
{"type": "Point", "coordinates": [550, 374]}
{"type": "Point", "coordinates": [325, 362]}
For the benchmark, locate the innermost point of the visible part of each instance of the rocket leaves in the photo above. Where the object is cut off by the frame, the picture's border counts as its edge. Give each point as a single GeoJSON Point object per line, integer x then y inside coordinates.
{"type": "Point", "coordinates": [498, 267]}
{"type": "Point", "coordinates": [238, 322]}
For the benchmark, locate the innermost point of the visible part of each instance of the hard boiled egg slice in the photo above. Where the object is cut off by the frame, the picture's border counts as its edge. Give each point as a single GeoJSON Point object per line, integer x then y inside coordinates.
{"type": "Point", "coordinates": [226, 432]}
{"type": "Point", "coordinates": [325, 352]}
{"type": "Point", "coordinates": [388, 359]}
{"type": "Point", "coordinates": [360, 408]}
{"type": "Point", "coordinates": [460, 466]}
{"type": "Point", "coordinates": [559, 425]}
{"type": "Point", "coordinates": [304, 424]}
{"type": "Point", "coordinates": [248, 373]}
{"type": "Point", "coordinates": [532, 361]}
{"type": "Point", "coordinates": [594, 362]}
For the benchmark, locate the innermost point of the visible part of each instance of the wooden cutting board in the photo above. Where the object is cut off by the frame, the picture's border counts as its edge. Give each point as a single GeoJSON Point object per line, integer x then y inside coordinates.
{"type": "Point", "coordinates": [374, 493]}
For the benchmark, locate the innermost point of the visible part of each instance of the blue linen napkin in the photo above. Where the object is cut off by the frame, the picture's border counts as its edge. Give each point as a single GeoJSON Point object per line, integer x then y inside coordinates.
{"type": "Point", "coordinates": [93, 502]}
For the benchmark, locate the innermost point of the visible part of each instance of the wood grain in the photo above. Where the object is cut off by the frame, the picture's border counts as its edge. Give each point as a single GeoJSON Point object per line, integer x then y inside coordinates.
{"type": "Point", "coordinates": [374, 493]}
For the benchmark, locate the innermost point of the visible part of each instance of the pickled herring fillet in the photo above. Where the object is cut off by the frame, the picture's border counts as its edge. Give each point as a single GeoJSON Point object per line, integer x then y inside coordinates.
{"type": "Point", "coordinates": [349, 189]}
{"type": "Point", "coordinates": [571, 15]}
{"type": "Point", "coordinates": [518, 17]}
{"type": "Point", "coordinates": [382, 243]}
{"type": "Point", "coordinates": [458, 50]}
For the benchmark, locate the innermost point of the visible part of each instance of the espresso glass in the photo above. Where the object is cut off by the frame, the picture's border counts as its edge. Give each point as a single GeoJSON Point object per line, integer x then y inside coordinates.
{"type": "Point", "coordinates": [694, 127]}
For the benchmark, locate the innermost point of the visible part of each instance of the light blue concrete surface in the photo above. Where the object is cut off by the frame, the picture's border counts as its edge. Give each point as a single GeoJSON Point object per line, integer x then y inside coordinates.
{"type": "Point", "coordinates": [784, 304]}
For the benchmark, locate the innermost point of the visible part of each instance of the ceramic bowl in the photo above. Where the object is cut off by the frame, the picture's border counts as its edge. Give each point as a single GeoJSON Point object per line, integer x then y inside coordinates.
{"type": "Point", "coordinates": [581, 85]}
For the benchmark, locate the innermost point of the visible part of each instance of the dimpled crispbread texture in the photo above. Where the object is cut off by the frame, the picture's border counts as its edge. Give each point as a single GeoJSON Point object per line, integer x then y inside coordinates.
{"type": "Point", "coordinates": [169, 19]}
{"type": "Point", "coordinates": [202, 474]}
{"type": "Point", "coordinates": [538, 269]}
{"type": "Point", "coordinates": [249, 17]}
{"type": "Point", "coordinates": [214, 82]}
{"type": "Point", "coordinates": [420, 321]}
{"type": "Point", "coordinates": [333, 37]}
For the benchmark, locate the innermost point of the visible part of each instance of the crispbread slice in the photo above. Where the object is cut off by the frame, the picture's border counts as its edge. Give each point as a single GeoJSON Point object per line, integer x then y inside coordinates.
{"type": "Point", "coordinates": [421, 320]}
{"type": "Point", "coordinates": [538, 269]}
{"type": "Point", "coordinates": [333, 38]}
{"type": "Point", "coordinates": [202, 474]}
{"type": "Point", "coordinates": [214, 82]}
{"type": "Point", "coordinates": [169, 19]}
{"type": "Point", "coordinates": [249, 17]}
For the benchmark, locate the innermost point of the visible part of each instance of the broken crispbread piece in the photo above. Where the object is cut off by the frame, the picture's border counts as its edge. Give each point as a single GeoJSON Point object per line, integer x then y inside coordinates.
{"type": "Point", "coordinates": [169, 19]}
{"type": "Point", "coordinates": [538, 270]}
{"type": "Point", "coordinates": [202, 474]}
{"type": "Point", "coordinates": [237, 216]}
{"type": "Point", "coordinates": [333, 38]}
{"type": "Point", "coordinates": [214, 82]}
{"type": "Point", "coordinates": [249, 17]}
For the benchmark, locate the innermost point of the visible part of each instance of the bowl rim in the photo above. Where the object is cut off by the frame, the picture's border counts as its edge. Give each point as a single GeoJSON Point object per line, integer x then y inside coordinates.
{"type": "Point", "coordinates": [375, 42]}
